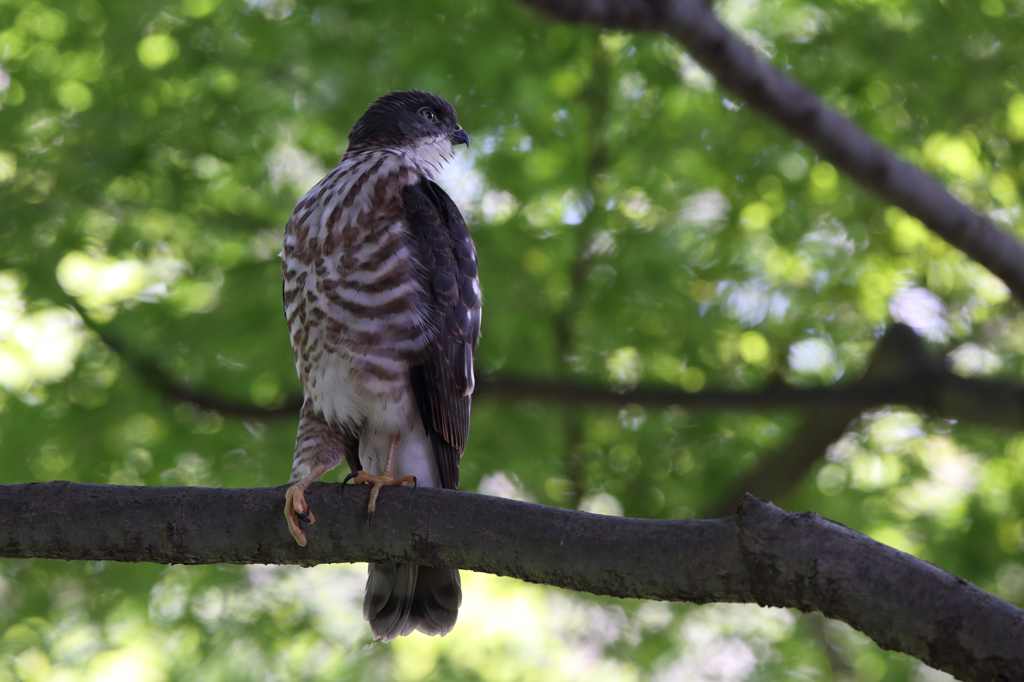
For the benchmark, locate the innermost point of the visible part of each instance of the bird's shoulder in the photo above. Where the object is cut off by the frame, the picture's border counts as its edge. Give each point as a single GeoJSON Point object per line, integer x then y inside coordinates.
{"type": "Point", "coordinates": [431, 211]}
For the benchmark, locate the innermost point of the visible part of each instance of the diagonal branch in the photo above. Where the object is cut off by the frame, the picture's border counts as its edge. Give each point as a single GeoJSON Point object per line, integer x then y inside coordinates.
{"type": "Point", "coordinates": [837, 139]}
{"type": "Point", "coordinates": [900, 354]}
{"type": "Point", "coordinates": [759, 555]}
{"type": "Point", "coordinates": [162, 382]}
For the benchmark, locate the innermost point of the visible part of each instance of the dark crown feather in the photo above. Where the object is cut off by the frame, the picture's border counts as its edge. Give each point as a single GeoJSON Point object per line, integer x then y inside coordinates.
{"type": "Point", "coordinates": [393, 119]}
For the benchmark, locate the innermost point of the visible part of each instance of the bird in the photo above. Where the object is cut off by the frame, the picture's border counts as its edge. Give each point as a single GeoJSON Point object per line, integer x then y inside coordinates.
{"type": "Point", "coordinates": [383, 303]}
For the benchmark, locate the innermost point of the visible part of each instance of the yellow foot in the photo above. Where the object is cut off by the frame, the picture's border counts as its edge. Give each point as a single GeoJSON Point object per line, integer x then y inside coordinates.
{"type": "Point", "coordinates": [295, 508]}
{"type": "Point", "coordinates": [379, 482]}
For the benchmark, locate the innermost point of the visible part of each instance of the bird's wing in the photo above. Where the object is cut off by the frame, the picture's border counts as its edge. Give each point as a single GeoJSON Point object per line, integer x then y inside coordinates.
{"type": "Point", "coordinates": [443, 382]}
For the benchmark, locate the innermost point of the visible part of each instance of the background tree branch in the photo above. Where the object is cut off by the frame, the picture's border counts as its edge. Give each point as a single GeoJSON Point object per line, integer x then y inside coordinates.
{"type": "Point", "coordinates": [836, 138]}
{"type": "Point", "coordinates": [760, 554]}
{"type": "Point", "coordinates": [900, 354]}
{"type": "Point", "coordinates": [910, 377]}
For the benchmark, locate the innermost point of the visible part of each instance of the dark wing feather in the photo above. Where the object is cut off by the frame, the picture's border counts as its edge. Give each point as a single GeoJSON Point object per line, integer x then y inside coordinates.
{"type": "Point", "coordinates": [443, 382]}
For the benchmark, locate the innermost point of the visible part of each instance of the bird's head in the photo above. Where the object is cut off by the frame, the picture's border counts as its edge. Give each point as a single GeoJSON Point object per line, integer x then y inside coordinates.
{"type": "Point", "coordinates": [419, 123]}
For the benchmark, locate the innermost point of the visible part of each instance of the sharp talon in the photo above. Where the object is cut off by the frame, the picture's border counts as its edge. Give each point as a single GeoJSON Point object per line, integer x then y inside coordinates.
{"type": "Point", "coordinates": [414, 483]}
{"type": "Point", "coordinates": [349, 477]}
{"type": "Point", "coordinates": [296, 512]}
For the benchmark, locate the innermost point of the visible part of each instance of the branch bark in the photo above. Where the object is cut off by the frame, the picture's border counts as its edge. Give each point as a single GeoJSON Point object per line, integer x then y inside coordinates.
{"type": "Point", "coordinates": [759, 555]}
{"type": "Point", "coordinates": [837, 139]}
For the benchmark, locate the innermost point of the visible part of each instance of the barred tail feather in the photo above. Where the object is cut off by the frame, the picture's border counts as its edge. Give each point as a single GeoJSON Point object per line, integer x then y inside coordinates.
{"type": "Point", "coordinates": [437, 599]}
{"type": "Point", "coordinates": [401, 598]}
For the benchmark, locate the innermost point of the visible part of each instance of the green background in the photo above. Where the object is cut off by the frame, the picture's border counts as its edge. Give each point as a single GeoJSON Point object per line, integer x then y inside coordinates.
{"type": "Point", "coordinates": [635, 224]}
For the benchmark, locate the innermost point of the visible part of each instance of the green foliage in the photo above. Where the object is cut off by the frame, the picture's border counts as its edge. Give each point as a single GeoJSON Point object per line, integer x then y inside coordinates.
{"type": "Point", "coordinates": [634, 225]}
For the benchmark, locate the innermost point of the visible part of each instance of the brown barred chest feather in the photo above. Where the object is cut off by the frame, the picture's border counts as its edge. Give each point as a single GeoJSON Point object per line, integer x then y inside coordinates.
{"type": "Point", "coordinates": [352, 295]}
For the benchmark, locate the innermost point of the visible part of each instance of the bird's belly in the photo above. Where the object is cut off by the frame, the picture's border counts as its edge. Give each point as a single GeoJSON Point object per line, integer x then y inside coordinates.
{"type": "Point", "coordinates": [340, 391]}
{"type": "Point", "coordinates": [334, 387]}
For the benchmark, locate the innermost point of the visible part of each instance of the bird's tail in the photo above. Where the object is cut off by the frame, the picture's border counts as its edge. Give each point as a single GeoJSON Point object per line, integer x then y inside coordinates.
{"type": "Point", "coordinates": [401, 598]}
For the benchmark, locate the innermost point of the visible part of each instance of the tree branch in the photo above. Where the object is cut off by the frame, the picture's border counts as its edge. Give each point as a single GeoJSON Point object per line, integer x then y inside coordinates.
{"type": "Point", "coordinates": [151, 373]}
{"type": "Point", "coordinates": [997, 403]}
{"type": "Point", "coordinates": [759, 555]}
{"type": "Point", "coordinates": [920, 382]}
{"type": "Point", "coordinates": [900, 354]}
{"type": "Point", "coordinates": [779, 472]}
{"type": "Point", "coordinates": [837, 139]}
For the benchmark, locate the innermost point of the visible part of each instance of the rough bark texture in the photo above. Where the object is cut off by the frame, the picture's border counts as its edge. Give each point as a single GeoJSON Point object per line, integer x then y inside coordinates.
{"type": "Point", "coordinates": [760, 554]}
{"type": "Point", "coordinates": [837, 139]}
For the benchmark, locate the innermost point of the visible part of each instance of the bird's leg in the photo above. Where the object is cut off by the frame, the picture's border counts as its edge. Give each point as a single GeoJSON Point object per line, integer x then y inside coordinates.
{"type": "Point", "coordinates": [386, 477]}
{"type": "Point", "coordinates": [295, 507]}
{"type": "Point", "coordinates": [318, 448]}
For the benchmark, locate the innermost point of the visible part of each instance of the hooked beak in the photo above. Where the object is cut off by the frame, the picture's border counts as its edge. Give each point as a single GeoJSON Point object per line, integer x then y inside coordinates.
{"type": "Point", "coordinates": [459, 136]}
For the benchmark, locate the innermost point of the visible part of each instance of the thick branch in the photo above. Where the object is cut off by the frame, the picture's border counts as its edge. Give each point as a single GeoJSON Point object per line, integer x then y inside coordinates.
{"type": "Point", "coordinates": [759, 555]}
{"type": "Point", "coordinates": [837, 139]}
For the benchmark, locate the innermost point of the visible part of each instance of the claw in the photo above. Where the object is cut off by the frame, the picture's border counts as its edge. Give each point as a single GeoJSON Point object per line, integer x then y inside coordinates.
{"type": "Point", "coordinates": [386, 477]}
{"type": "Point", "coordinates": [296, 510]}
{"type": "Point", "coordinates": [349, 477]}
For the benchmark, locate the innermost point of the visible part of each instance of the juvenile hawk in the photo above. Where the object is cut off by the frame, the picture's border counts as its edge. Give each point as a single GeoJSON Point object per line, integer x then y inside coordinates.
{"type": "Point", "coordinates": [383, 306]}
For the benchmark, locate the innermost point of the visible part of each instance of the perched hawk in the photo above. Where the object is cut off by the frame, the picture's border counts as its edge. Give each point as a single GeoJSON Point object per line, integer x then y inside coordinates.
{"type": "Point", "coordinates": [383, 306]}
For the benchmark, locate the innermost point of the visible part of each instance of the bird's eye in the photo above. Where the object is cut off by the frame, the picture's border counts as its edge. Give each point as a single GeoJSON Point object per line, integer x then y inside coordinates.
{"type": "Point", "coordinates": [428, 113]}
